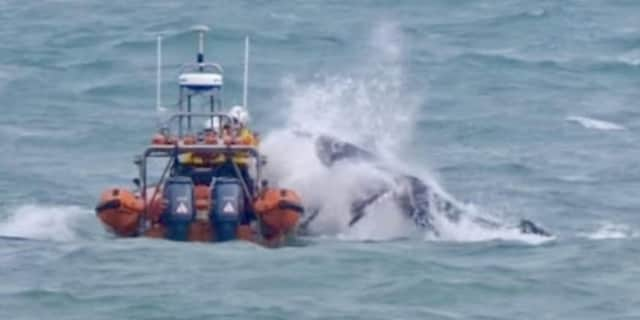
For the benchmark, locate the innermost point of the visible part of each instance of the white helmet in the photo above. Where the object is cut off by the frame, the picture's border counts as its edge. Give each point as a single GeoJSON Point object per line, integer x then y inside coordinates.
{"type": "Point", "coordinates": [239, 114]}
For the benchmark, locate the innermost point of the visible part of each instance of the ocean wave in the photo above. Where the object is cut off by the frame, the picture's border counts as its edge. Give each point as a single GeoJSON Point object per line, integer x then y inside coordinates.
{"type": "Point", "coordinates": [630, 59]}
{"type": "Point", "coordinates": [43, 222]}
{"type": "Point", "coordinates": [577, 178]}
{"type": "Point", "coordinates": [596, 124]}
{"type": "Point", "coordinates": [476, 23]}
{"type": "Point", "coordinates": [11, 73]}
{"type": "Point", "coordinates": [467, 229]}
{"type": "Point", "coordinates": [511, 58]}
{"type": "Point", "coordinates": [519, 17]}
{"type": "Point", "coordinates": [610, 231]}
{"type": "Point", "coordinates": [514, 57]}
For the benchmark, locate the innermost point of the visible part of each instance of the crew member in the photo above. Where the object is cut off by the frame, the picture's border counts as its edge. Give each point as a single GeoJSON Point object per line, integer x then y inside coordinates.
{"type": "Point", "coordinates": [241, 135]}
{"type": "Point", "coordinates": [203, 160]}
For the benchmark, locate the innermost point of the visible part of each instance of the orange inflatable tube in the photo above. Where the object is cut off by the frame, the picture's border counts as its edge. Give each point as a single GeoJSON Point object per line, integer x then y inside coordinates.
{"type": "Point", "coordinates": [120, 210]}
{"type": "Point", "coordinates": [279, 212]}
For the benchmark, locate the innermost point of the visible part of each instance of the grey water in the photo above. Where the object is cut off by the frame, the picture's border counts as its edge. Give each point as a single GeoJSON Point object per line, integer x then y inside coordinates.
{"type": "Point", "coordinates": [515, 108]}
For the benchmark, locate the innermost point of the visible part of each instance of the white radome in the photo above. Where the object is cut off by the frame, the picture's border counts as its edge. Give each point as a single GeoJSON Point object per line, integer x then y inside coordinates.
{"type": "Point", "coordinates": [200, 80]}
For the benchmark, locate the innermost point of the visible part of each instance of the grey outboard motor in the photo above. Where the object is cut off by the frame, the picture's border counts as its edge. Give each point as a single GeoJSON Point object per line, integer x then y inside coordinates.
{"type": "Point", "coordinates": [180, 210]}
{"type": "Point", "coordinates": [228, 209]}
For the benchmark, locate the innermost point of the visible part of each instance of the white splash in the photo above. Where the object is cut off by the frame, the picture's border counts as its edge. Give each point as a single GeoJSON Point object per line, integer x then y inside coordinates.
{"type": "Point", "coordinates": [608, 230]}
{"type": "Point", "coordinates": [292, 163]}
{"type": "Point", "coordinates": [367, 105]}
{"type": "Point", "coordinates": [371, 107]}
{"type": "Point", "coordinates": [468, 230]}
{"type": "Point", "coordinates": [578, 178]}
{"type": "Point", "coordinates": [631, 58]}
{"type": "Point", "coordinates": [383, 223]}
{"type": "Point", "coordinates": [31, 221]}
{"type": "Point", "coordinates": [591, 123]}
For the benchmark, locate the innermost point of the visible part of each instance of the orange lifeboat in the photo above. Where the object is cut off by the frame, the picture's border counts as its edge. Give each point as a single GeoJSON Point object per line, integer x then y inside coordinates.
{"type": "Point", "coordinates": [278, 211]}
{"type": "Point", "coordinates": [201, 196]}
{"type": "Point", "coordinates": [200, 229]}
{"type": "Point", "coordinates": [246, 233]}
{"type": "Point", "coordinates": [156, 230]}
{"type": "Point", "coordinates": [121, 211]}
{"type": "Point", "coordinates": [156, 204]}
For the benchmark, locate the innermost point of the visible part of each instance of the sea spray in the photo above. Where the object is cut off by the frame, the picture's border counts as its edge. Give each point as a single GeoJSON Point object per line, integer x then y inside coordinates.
{"type": "Point", "coordinates": [371, 106]}
{"type": "Point", "coordinates": [49, 222]}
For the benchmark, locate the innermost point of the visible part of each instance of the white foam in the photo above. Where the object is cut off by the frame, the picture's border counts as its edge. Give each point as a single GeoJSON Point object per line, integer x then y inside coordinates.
{"type": "Point", "coordinates": [31, 221]}
{"type": "Point", "coordinates": [7, 74]}
{"type": "Point", "coordinates": [372, 107]}
{"type": "Point", "coordinates": [608, 230]}
{"type": "Point", "coordinates": [367, 104]}
{"type": "Point", "coordinates": [591, 123]}
{"type": "Point", "coordinates": [468, 230]}
{"type": "Point", "coordinates": [631, 58]}
{"type": "Point", "coordinates": [384, 222]}
{"type": "Point", "coordinates": [577, 178]}
{"type": "Point", "coordinates": [294, 164]}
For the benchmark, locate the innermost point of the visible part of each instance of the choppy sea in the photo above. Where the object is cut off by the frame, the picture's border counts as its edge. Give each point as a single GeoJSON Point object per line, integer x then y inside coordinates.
{"type": "Point", "coordinates": [514, 108]}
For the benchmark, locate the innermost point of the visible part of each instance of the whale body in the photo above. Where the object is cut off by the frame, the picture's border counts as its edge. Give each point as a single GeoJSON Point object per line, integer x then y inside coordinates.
{"type": "Point", "coordinates": [417, 200]}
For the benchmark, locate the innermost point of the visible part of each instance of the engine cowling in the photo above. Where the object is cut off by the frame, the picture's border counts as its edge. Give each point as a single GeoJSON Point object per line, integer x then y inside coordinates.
{"type": "Point", "coordinates": [228, 208]}
{"type": "Point", "coordinates": [180, 211]}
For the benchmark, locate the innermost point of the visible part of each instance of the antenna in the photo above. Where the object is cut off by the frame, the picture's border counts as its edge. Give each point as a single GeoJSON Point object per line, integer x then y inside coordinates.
{"type": "Point", "coordinates": [246, 72]}
{"type": "Point", "coordinates": [159, 74]}
{"type": "Point", "coordinates": [201, 30]}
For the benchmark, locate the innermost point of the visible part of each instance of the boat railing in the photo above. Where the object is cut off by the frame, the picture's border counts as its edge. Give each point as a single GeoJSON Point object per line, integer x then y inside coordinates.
{"type": "Point", "coordinates": [181, 148]}
{"type": "Point", "coordinates": [180, 117]}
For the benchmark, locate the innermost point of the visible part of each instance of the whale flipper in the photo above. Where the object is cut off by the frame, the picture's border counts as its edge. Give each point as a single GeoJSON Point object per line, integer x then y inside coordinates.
{"type": "Point", "coordinates": [528, 227]}
{"type": "Point", "coordinates": [331, 150]}
{"type": "Point", "coordinates": [358, 207]}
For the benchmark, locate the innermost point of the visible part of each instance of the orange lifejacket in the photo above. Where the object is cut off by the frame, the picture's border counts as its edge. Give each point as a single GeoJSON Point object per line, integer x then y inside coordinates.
{"type": "Point", "coordinates": [198, 160]}
{"type": "Point", "coordinates": [244, 137]}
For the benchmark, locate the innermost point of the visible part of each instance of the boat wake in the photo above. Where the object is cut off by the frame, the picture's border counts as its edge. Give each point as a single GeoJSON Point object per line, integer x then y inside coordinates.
{"type": "Point", "coordinates": [56, 223]}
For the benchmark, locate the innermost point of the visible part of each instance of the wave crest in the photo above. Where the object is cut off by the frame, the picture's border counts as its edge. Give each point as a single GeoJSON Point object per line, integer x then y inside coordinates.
{"type": "Point", "coordinates": [591, 123]}
{"type": "Point", "coordinates": [59, 223]}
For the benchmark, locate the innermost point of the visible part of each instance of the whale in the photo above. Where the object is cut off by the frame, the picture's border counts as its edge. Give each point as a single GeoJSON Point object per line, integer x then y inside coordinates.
{"type": "Point", "coordinates": [418, 201]}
